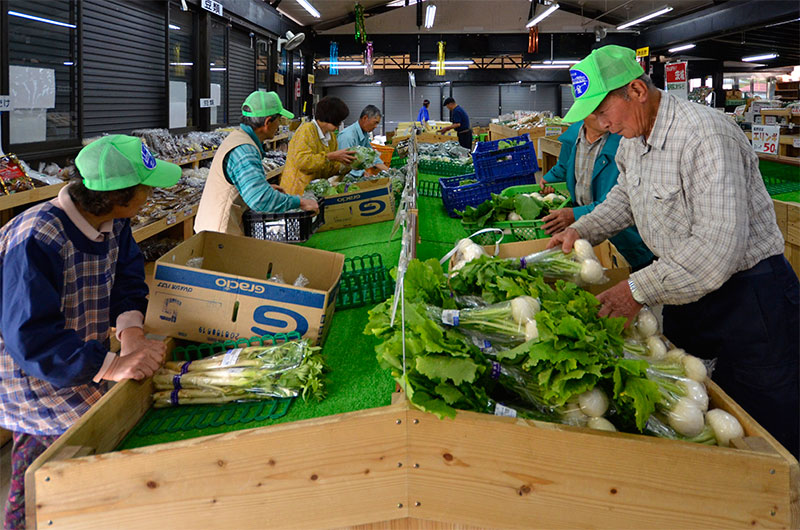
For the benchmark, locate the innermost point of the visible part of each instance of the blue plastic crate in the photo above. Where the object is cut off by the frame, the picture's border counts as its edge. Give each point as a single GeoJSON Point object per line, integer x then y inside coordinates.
{"type": "Point", "coordinates": [492, 160]}
{"type": "Point", "coordinates": [457, 197]}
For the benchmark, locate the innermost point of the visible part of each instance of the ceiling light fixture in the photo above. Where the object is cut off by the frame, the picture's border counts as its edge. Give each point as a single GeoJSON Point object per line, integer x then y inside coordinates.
{"type": "Point", "coordinates": [546, 13]}
{"type": "Point", "coordinates": [549, 66]}
{"type": "Point", "coordinates": [173, 26]}
{"type": "Point", "coordinates": [40, 19]}
{"type": "Point", "coordinates": [402, 3]}
{"type": "Point", "coordinates": [762, 57]}
{"type": "Point", "coordinates": [430, 15]}
{"type": "Point", "coordinates": [562, 61]}
{"type": "Point", "coordinates": [681, 48]}
{"type": "Point", "coordinates": [453, 63]}
{"type": "Point", "coordinates": [308, 7]}
{"type": "Point", "coordinates": [654, 14]}
{"type": "Point", "coordinates": [452, 67]}
{"type": "Point", "coordinates": [341, 63]}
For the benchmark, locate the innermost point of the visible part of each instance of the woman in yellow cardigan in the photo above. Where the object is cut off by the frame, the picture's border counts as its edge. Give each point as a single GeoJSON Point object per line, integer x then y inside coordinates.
{"type": "Point", "coordinates": [313, 151]}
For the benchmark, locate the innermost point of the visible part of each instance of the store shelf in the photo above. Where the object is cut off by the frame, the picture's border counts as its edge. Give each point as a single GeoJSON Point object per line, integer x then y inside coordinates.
{"type": "Point", "coordinates": [276, 139]}
{"type": "Point", "coordinates": [26, 197]}
{"type": "Point", "coordinates": [275, 172]}
{"type": "Point", "coordinates": [171, 220]}
{"type": "Point", "coordinates": [192, 159]}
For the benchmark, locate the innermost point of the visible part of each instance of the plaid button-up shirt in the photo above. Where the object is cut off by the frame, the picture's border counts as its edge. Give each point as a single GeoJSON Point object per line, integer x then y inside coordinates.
{"type": "Point", "coordinates": [585, 157]}
{"type": "Point", "coordinates": [694, 191]}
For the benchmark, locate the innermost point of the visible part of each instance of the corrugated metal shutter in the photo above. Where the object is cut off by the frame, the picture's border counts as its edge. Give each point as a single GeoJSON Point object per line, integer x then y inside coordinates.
{"type": "Point", "coordinates": [514, 98]}
{"type": "Point", "coordinates": [546, 98]}
{"type": "Point", "coordinates": [397, 104]}
{"type": "Point", "coordinates": [124, 85]}
{"type": "Point", "coordinates": [356, 98]}
{"type": "Point", "coordinates": [482, 103]}
{"type": "Point", "coordinates": [566, 99]}
{"type": "Point", "coordinates": [241, 74]}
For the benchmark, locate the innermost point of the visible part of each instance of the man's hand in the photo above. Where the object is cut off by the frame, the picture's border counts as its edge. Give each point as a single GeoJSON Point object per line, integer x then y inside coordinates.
{"type": "Point", "coordinates": [137, 365]}
{"type": "Point", "coordinates": [618, 302]}
{"type": "Point", "coordinates": [545, 188]}
{"type": "Point", "coordinates": [564, 239]}
{"type": "Point", "coordinates": [558, 220]}
{"type": "Point", "coordinates": [309, 205]}
{"type": "Point", "coordinates": [277, 188]}
{"type": "Point", "coordinates": [345, 156]}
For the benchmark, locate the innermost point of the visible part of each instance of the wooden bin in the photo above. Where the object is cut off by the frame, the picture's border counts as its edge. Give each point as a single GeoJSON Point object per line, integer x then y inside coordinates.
{"type": "Point", "coordinates": [787, 215]}
{"type": "Point", "coordinates": [396, 467]}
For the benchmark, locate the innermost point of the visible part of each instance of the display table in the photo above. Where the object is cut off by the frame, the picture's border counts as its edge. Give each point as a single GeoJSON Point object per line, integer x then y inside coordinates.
{"type": "Point", "coordinates": [355, 460]}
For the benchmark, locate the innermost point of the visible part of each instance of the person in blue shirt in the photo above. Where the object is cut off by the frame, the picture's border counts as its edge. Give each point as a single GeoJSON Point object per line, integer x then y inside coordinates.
{"type": "Point", "coordinates": [586, 163]}
{"type": "Point", "coordinates": [423, 115]}
{"type": "Point", "coordinates": [358, 134]}
{"type": "Point", "coordinates": [460, 121]}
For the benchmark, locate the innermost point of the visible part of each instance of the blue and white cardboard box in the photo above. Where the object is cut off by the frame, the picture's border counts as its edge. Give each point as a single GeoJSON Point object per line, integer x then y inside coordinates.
{"type": "Point", "coordinates": [215, 287]}
{"type": "Point", "coordinates": [372, 202]}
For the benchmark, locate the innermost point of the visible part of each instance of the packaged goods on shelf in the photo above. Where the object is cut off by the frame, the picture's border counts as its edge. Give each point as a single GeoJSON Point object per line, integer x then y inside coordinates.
{"type": "Point", "coordinates": [165, 201]}
{"type": "Point", "coordinates": [165, 145]}
{"type": "Point", "coordinates": [526, 119]}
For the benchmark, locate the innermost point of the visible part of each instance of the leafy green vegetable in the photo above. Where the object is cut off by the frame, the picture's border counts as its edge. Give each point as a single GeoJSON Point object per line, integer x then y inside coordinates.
{"type": "Point", "coordinates": [528, 207]}
{"type": "Point", "coordinates": [498, 207]}
{"type": "Point", "coordinates": [364, 157]}
{"type": "Point", "coordinates": [464, 182]}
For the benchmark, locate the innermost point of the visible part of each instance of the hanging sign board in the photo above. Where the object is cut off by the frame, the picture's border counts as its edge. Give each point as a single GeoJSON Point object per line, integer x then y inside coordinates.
{"type": "Point", "coordinates": [643, 52]}
{"type": "Point", "coordinates": [6, 103]}
{"type": "Point", "coordinates": [211, 5]}
{"type": "Point", "coordinates": [297, 88]}
{"type": "Point", "coordinates": [552, 131]}
{"type": "Point", "coordinates": [677, 83]}
{"type": "Point", "coordinates": [310, 79]}
{"type": "Point", "coordinates": [207, 102]}
{"type": "Point", "coordinates": [766, 138]}
{"type": "Point", "coordinates": [278, 78]}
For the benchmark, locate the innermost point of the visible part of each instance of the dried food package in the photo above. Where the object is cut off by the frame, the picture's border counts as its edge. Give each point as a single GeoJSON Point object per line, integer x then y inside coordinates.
{"type": "Point", "coordinates": [13, 176]}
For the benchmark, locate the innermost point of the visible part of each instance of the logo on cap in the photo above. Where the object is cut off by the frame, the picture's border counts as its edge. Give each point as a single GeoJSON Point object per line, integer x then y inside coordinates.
{"type": "Point", "coordinates": [148, 159]}
{"type": "Point", "coordinates": [580, 82]}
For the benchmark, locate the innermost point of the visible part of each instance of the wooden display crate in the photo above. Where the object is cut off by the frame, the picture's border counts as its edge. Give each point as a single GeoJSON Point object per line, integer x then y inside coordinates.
{"type": "Point", "coordinates": [787, 214]}
{"type": "Point", "coordinates": [426, 138]}
{"type": "Point", "coordinates": [396, 467]}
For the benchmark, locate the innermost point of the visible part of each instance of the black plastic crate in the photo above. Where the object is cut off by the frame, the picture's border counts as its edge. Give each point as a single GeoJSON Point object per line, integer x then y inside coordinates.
{"type": "Point", "coordinates": [290, 227]}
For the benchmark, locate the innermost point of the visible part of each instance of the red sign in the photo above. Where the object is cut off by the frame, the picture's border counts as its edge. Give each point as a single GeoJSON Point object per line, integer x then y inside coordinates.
{"type": "Point", "coordinates": [297, 89]}
{"type": "Point", "coordinates": [676, 73]}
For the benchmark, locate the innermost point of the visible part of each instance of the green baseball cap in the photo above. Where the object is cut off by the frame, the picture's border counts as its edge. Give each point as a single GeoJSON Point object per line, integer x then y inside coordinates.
{"type": "Point", "coordinates": [260, 104]}
{"type": "Point", "coordinates": [604, 70]}
{"type": "Point", "coordinates": [118, 161]}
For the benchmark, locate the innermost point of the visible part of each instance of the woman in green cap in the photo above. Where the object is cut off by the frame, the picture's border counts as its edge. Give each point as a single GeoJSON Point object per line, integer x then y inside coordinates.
{"type": "Point", "coordinates": [69, 271]}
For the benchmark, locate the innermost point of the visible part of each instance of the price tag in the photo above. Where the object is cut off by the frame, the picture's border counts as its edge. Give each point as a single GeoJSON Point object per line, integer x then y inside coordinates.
{"type": "Point", "coordinates": [5, 103]}
{"type": "Point", "coordinates": [211, 5]}
{"type": "Point", "coordinates": [230, 357]}
{"type": "Point", "coordinates": [450, 317]}
{"type": "Point", "coordinates": [552, 131]}
{"type": "Point", "coordinates": [207, 102]}
{"type": "Point", "coordinates": [770, 120]}
{"type": "Point", "coordinates": [643, 52]}
{"type": "Point", "coordinates": [796, 142]}
{"type": "Point", "coordinates": [766, 139]}
{"type": "Point", "coordinates": [171, 219]}
{"type": "Point", "coordinates": [502, 410]}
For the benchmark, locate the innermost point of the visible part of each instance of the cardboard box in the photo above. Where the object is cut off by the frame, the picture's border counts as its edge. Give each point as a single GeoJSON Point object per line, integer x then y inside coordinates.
{"type": "Point", "coordinates": [617, 267]}
{"type": "Point", "coordinates": [229, 297]}
{"type": "Point", "coordinates": [372, 202]}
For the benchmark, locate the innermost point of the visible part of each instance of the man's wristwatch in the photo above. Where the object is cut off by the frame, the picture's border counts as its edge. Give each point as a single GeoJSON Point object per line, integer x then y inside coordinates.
{"type": "Point", "coordinates": [635, 292]}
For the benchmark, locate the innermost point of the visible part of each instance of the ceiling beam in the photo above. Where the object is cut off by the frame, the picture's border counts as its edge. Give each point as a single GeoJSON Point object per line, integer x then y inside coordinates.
{"type": "Point", "coordinates": [351, 17]}
{"type": "Point", "coordinates": [594, 14]}
{"type": "Point", "coordinates": [732, 16]}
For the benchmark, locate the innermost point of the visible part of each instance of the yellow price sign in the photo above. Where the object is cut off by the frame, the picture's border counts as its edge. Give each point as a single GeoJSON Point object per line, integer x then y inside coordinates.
{"type": "Point", "coordinates": [643, 52]}
{"type": "Point", "coordinates": [310, 79]}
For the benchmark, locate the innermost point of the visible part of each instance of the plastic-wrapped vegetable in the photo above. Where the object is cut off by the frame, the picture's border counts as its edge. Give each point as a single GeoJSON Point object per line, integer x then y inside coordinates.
{"type": "Point", "coordinates": [580, 265]}
{"type": "Point", "coordinates": [364, 157]}
{"type": "Point", "coordinates": [508, 323]}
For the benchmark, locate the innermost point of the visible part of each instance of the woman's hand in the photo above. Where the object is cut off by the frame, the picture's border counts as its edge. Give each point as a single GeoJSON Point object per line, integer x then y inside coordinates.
{"type": "Point", "coordinates": [345, 156]}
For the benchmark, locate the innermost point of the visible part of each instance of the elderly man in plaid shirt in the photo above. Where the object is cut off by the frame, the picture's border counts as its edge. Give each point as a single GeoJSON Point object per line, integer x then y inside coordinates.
{"type": "Point", "coordinates": [69, 271]}
{"type": "Point", "coordinates": [689, 180]}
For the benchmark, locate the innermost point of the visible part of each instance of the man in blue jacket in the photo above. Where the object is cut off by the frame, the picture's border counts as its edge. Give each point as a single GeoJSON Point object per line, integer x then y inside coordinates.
{"type": "Point", "coordinates": [586, 163]}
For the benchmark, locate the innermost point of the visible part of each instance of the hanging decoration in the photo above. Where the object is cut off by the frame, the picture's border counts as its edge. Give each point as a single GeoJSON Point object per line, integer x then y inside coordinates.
{"type": "Point", "coordinates": [368, 69]}
{"type": "Point", "coordinates": [533, 39]}
{"type": "Point", "coordinates": [333, 69]}
{"type": "Point", "coordinates": [361, 31]}
{"type": "Point", "coordinates": [440, 59]}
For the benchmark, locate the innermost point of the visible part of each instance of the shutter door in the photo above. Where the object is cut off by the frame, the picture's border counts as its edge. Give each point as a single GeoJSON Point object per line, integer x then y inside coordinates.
{"type": "Point", "coordinates": [566, 99]}
{"type": "Point", "coordinates": [481, 103]}
{"type": "Point", "coordinates": [241, 75]}
{"type": "Point", "coordinates": [517, 97]}
{"type": "Point", "coordinates": [356, 98]}
{"type": "Point", "coordinates": [546, 98]}
{"type": "Point", "coordinates": [397, 104]}
{"type": "Point", "coordinates": [124, 78]}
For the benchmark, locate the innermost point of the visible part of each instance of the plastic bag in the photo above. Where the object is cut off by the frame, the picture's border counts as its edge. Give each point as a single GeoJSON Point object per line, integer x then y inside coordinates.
{"type": "Point", "coordinates": [579, 266]}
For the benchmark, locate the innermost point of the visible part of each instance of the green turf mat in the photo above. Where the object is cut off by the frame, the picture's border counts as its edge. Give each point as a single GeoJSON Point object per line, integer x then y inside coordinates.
{"type": "Point", "coordinates": [355, 382]}
{"type": "Point", "coordinates": [788, 197]}
{"type": "Point", "coordinates": [780, 179]}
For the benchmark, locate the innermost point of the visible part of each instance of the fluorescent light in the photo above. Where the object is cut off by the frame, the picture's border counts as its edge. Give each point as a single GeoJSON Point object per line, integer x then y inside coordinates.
{"type": "Point", "coordinates": [549, 66]}
{"type": "Point", "coordinates": [430, 16]}
{"type": "Point", "coordinates": [173, 26]}
{"type": "Point", "coordinates": [182, 64]}
{"type": "Point", "coordinates": [308, 7]}
{"type": "Point", "coordinates": [68, 63]}
{"type": "Point", "coordinates": [654, 14]}
{"type": "Point", "coordinates": [402, 3]}
{"type": "Point", "coordinates": [218, 69]}
{"type": "Point", "coordinates": [681, 48]}
{"type": "Point", "coordinates": [546, 13]}
{"type": "Point", "coordinates": [351, 67]}
{"type": "Point", "coordinates": [563, 61]}
{"type": "Point", "coordinates": [341, 63]}
{"type": "Point", "coordinates": [453, 63]}
{"type": "Point", "coordinates": [452, 67]}
{"type": "Point", "coordinates": [40, 19]}
{"type": "Point", "coordinates": [762, 57]}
